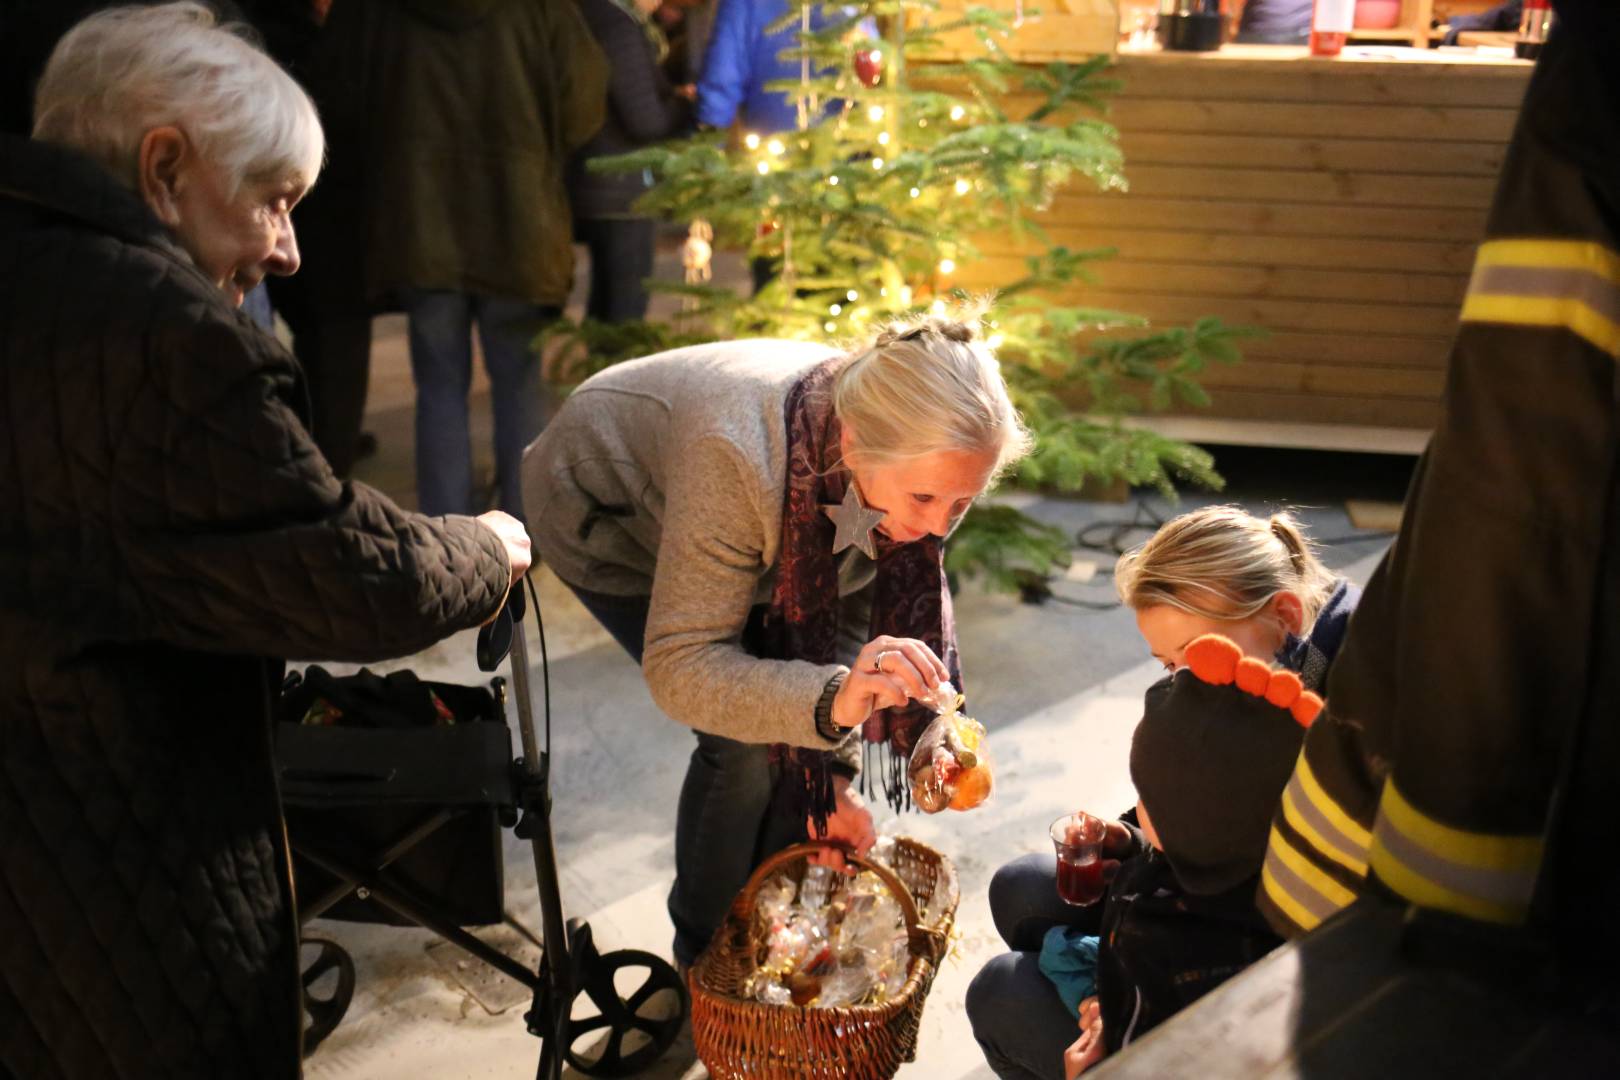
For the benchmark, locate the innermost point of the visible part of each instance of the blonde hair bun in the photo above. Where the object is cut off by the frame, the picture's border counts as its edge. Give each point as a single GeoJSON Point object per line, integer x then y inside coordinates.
{"type": "Point", "coordinates": [962, 330]}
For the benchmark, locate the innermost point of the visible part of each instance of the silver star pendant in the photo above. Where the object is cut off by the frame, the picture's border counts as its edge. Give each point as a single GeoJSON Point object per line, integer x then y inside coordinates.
{"type": "Point", "coordinates": [855, 522]}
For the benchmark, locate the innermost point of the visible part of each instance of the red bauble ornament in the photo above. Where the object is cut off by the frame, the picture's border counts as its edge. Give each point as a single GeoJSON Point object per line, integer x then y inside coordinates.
{"type": "Point", "coordinates": [869, 66]}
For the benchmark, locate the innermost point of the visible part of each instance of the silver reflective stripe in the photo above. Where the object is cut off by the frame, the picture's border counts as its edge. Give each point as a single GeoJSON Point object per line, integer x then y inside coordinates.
{"type": "Point", "coordinates": [1504, 888]}
{"type": "Point", "coordinates": [1297, 888]}
{"type": "Point", "coordinates": [1330, 833]}
{"type": "Point", "coordinates": [1562, 282]}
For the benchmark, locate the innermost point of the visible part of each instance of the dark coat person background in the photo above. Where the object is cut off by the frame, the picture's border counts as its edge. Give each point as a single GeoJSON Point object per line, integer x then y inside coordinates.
{"type": "Point", "coordinates": [643, 108]}
{"type": "Point", "coordinates": [451, 123]}
{"type": "Point", "coordinates": [169, 531]}
{"type": "Point", "coordinates": [1466, 759]}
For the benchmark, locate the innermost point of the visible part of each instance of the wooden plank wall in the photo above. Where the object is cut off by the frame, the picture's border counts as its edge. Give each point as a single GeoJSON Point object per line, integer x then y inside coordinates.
{"type": "Point", "coordinates": [1062, 29]}
{"type": "Point", "coordinates": [1335, 204]}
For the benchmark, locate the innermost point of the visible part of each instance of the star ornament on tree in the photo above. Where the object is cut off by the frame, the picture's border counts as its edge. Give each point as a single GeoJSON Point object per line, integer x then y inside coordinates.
{"type": "Point", "coordinates": [855, 522]}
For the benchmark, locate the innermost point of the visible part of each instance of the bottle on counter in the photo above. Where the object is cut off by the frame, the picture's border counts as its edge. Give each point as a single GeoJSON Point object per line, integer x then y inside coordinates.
{"type": "Point", "coordinates": [1534, 25]}
{"type": "Point", "coordinates": [1331, 21]}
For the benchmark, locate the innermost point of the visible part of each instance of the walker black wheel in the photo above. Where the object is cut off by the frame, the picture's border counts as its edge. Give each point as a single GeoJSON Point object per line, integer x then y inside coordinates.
{"type": "Point", "coordinates": [326, 1008]}
{"type": "Point", "coordinates": [629, 1010]}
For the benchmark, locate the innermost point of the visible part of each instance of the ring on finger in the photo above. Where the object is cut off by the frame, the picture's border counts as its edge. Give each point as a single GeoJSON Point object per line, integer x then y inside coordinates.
{"type": "Point", "coordinates": [877, 663]}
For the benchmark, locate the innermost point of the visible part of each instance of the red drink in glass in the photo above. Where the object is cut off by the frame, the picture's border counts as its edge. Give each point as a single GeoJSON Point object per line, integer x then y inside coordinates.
{"type": "Point", "coordinates": [1078, 882]}
{"type": "Point", "coordinates": [1078, 839]}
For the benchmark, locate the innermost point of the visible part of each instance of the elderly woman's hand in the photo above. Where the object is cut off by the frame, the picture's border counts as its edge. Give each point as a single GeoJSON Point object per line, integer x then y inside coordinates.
{"type": "Point", "coordinates": [888, 672]}
{"type": "Point", "coordinates": [514, 538]}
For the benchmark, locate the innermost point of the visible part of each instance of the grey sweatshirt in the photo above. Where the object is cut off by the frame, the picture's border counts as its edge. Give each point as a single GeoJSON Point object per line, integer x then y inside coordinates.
{"type": "Point", "coordinates": [665, 477]}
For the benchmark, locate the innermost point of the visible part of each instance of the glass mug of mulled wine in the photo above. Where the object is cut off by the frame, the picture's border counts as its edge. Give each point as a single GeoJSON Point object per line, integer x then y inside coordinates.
{"type": "Point", "coordinates": [1078, 839]}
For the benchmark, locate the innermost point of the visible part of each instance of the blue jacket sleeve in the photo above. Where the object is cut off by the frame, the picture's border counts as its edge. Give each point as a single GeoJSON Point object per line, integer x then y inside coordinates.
{"type": "Point", "coordinates": [727, 65]}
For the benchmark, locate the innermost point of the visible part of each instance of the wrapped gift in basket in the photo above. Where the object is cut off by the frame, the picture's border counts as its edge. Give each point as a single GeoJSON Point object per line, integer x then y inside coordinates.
{"type": "Point", "coordinates": [822, 974]}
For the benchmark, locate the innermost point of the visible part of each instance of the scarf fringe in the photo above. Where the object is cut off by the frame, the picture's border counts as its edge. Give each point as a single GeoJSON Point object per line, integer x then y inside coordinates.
{"type": "Point", "coordinates": [893, 768]}
{"type": "Point", "coordinates": [812, 797]}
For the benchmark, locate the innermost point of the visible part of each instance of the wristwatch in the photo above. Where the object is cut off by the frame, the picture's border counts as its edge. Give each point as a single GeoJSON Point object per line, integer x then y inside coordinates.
{"type": "Point", "coordinates": [824, 721]}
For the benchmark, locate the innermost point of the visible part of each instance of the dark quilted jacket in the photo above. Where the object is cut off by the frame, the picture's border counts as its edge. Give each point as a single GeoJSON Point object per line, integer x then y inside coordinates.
{"type": "Point", "coordinates": [166, 527]}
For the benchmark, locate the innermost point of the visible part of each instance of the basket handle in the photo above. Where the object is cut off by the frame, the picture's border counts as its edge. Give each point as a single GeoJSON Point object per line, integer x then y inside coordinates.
{"type": "Point", "coordinates": [744, 906]}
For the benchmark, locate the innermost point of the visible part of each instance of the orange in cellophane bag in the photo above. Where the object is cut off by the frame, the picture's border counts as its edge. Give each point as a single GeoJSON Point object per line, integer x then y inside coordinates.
{"type": "Point", "coordinates": [950, 765]}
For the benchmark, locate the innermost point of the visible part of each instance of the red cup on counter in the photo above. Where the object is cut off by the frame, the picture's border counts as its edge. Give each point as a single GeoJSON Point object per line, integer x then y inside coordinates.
{"type": "Point", "coordinates": [1078, 839]}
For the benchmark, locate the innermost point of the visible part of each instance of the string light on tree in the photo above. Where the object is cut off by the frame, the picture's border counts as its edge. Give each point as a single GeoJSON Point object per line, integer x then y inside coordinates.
{"type": "Point", "coordinates": [751, 141]}
{"type": "Point", "coordinates": [963, 187]}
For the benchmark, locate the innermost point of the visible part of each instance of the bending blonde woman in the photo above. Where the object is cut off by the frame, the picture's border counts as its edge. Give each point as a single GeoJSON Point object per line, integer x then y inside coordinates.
{"type": "Point", "coordinates": [732, 513]}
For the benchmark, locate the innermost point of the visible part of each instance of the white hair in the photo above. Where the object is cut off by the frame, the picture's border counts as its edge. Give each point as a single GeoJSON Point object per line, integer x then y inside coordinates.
{"type": "Point", "coordinates": [928, 384]}
{"type": "Point", "coordinates": [124, 71]}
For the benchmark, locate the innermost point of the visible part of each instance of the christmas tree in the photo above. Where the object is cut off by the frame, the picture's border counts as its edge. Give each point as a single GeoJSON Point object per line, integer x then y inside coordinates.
{"type": "Point", "coordinates": [868, 209]}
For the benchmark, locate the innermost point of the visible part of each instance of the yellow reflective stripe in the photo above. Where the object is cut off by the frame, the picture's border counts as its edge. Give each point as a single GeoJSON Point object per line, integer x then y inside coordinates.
{"type": "Point", "coordinates": [1296, 913]}
{"type": "Point", "coordinates": [1324, 805]}
{"type": "Point", "coordinates": [1551, 254]}
{"type": "Point", "coordinates": [1574, 315]}
{"type": "Point", "coordinates": [1312, 876]}
{"type": "Point", "coordinates": [1356, 863]}
{"type": "Point", "coordinates": [1483, 851]}
{"type": "Point", "coordinates": [1431, 894]}
{"type": "Point", "coordinates": [1491, 877]}
{"type": "Point", "coordinates": [1538, 282]}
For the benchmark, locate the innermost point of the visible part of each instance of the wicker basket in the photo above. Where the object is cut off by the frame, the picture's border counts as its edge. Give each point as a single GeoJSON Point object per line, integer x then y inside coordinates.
{"type": "Point", "coordinates": [738, 1037]}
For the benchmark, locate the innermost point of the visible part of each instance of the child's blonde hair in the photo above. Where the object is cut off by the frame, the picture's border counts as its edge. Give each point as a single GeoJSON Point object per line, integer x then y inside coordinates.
{"type": "Point", "coordinates": [1224, 563]}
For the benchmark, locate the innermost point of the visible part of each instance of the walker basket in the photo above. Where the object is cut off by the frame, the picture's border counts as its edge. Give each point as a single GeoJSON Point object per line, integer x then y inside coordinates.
{"type": "Point", "coordinates": [738, 1037]}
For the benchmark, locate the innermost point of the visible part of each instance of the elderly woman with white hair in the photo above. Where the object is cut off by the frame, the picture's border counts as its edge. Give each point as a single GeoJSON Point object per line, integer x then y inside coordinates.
{"type": "Point", "coordinates": [760, 525]}
{"type": "Point", "coordinates": [169, 530]}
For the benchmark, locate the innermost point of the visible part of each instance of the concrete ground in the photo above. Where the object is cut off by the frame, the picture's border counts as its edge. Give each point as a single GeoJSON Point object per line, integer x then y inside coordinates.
{"type": "Point", "coordinates": [1059, 687]}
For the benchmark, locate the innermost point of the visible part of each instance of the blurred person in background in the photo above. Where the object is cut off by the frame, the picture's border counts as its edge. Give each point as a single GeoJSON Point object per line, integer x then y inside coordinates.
{"type": "Point", "coordinates": [452, 122]}
{"type": "Point", "coordinates": [1272, 22]}
{"type": "Point", "coordinates": [686, 23]}
{"type": "Point", "coordinates": [643, 108]}
{"type": "Point", "coordinates": [171, 531]}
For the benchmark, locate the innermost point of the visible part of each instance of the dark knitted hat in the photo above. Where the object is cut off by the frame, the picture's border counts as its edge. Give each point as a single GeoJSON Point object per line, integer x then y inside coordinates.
{"type": "Point", "coordinates": [1210, 764]}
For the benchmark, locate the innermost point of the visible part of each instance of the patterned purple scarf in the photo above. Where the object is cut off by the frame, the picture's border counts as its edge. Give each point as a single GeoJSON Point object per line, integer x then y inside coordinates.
{"type": "Point", "coordinates": [910, 598]}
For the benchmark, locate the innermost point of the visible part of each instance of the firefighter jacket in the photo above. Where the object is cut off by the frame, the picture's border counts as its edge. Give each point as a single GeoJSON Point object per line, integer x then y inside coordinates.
{"type": "Point", "coordinates": [1471, 661]}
